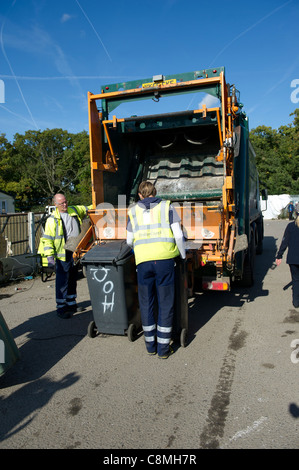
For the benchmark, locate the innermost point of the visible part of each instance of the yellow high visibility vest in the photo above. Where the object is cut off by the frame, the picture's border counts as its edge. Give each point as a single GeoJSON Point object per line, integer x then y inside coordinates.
{"type": "Point", "coordinates": [153, 241]}
{"type": "Point", "coordinates": [52, 242]}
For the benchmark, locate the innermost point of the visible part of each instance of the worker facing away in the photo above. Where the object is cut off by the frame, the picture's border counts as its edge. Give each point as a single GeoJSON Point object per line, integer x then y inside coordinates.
{"type": "Point", "coordinates": [154, 232]}
{"type": "Point", "coordinates": [290, 240]}
{"type": "Point", "coordinates": [63, 223]}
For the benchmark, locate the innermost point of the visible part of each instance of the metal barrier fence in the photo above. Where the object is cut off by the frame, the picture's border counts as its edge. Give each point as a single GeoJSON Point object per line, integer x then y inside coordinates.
{"type": "Point", "coordinates": [19, 240]}
{"type": "Point", "coordinates": [20, 233]}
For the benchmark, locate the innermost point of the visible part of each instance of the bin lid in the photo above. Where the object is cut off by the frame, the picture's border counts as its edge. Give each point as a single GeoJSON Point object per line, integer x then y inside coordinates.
{"type": "Point", "coordinates": [108, 252]}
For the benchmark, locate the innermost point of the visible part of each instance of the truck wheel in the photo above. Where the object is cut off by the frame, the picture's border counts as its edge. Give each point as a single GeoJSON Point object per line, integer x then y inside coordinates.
{"type": "Point", "coordinates": [248, 268]}
{"type": "Point", "coordinates": [260, 237]}
{"type": "Point", "coordinates": [247, 278]}
{"type": "Point", "coordinates": [92, 330]}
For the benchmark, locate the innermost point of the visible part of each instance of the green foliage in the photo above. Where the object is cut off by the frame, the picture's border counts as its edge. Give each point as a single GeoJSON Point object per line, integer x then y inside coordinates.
{"type": "Point", "coordinates": [39, 164]}
{"type": "Point", "coordinates": [277, 156]}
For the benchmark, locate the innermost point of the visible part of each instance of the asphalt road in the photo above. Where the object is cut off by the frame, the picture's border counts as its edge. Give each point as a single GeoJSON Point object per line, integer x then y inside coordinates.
{"type": "Point", "coordinates": [235, 385]}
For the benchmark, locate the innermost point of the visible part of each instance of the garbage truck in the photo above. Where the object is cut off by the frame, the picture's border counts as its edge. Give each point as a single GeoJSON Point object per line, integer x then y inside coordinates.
{"type": "Point", "coordinates": [200, 158]}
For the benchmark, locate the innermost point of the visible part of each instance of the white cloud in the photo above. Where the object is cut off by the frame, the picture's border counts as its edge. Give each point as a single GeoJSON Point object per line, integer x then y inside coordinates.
{"type": "Point", "coordinates": [65, 17]}
{"type": "Point", "coordinates": [210, 101]}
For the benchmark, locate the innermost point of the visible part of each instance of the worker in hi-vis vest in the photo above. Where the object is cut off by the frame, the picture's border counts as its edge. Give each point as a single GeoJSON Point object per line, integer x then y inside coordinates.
{"type": "Point", "coordinates": [63, 223]}
{"type": "Point", "coordinates": [154, 232]}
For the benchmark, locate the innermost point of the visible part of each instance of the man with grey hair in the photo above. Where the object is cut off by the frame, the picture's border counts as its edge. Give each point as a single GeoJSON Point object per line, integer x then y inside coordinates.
{"type": "Point", "coordinates": [63, 223]}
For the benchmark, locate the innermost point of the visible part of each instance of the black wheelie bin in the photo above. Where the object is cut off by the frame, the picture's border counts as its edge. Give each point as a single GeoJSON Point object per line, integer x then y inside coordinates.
{"type": "Point", "coordinates": [112, 283]}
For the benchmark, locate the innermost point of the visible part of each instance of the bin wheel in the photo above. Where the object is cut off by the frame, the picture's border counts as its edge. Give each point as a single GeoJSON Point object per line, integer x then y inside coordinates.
{"type": "Point", "coordinates": [183, 337]}
{"type": "Point", "coordinates": [132, 332]}
{"type": "Point", "coordinates": [92, 330]}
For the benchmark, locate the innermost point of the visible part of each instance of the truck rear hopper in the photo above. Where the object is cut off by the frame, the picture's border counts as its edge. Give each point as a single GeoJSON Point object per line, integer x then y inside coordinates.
{"type": "Point", "coordinates": [199, 159]}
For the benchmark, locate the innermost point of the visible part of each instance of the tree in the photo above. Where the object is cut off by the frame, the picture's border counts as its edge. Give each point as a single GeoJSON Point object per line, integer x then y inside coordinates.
{"type": "Point", "coordinates": [6, 169]}
{"type": "Point", "coordinates": [80, 189]}
{"type": "Point", "coordinates": [277, 157]}
{"type": "Point", "coordinates": [48, 162]}
{"type": "Point", "coordinates": [39, 164]}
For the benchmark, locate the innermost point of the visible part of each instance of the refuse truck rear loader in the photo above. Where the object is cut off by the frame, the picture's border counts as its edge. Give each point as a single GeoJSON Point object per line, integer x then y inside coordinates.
{"type": "Point", "coordinates": [201, 159]}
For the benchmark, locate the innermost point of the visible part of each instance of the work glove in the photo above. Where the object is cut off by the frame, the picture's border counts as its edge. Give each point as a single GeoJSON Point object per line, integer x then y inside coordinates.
{"type": "Point", "coordinates": [51, 261]}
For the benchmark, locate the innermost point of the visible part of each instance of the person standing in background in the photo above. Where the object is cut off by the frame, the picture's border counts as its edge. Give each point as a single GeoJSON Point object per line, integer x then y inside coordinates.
{"type": "Point", "coordinates": [291, 209]}
{"type": "Point", "coordinates": [63, 223]}
{"type": "Point", "coordinates": [290, 240]}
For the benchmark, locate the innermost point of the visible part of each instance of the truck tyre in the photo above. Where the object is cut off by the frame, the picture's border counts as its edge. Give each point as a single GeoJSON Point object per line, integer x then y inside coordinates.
{"type": "Point", "coordinates": [260, 236]}
{"type": "Point", "coordinates": [247, 279]}
{"type": "Point", "coordinates": [248, 268]}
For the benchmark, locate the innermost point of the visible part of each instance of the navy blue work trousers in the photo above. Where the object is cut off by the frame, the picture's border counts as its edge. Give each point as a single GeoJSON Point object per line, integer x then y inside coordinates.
{"type": "Point", "coordinates": [294, 268]}
{"type": "Point", "coordinates": [66, 284]}
{"type": "Point", "coordinates": [156, 290]}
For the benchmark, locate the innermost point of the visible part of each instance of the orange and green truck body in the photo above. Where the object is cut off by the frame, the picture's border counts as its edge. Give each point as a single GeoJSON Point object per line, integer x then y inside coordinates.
{"type": "Point", "coordinates": [201, 159]}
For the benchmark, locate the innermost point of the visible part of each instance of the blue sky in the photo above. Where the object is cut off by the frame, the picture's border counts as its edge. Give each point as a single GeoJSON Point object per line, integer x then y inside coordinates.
{"type": "Point", "coordinates": [53, 52]}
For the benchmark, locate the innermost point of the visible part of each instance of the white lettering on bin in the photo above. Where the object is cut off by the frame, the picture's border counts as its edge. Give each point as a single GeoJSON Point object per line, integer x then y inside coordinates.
{"type": "Point", "coordinates": [100, 275]}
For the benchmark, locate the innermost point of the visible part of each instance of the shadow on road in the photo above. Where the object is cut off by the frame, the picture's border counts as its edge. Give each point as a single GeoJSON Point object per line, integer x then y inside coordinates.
{"type": "Point", "coordinates": [49, 339]}
{"type": "Point", "coordinates": [19, 408]}
{"type": "Point", "coordinates": [294, 410]}
{"type": "Point", "coordinates": [206, 304]}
